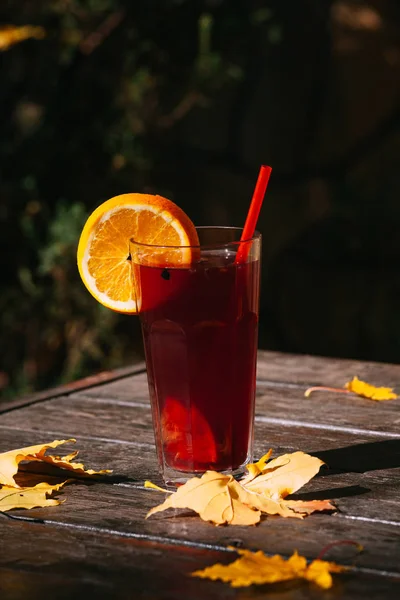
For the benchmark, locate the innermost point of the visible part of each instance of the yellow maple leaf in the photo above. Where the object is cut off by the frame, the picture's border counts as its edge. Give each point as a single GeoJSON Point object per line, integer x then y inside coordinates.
{"type": "Point", "coordinates": [221, 499]}
{"type": "Point", "coordinates": [11, 35]}
{"type": "Point", "coordinates": [28, 497]}
{"type": "Point", "coordinates": [9, 461]}
{"type": "Point", "coordinates": [257, 568]}
{"type": "Point", "coordinates": [362, 388]}
{"type": "Point", "coordinates": [210, 496]}
{"type": "Point", "coordinates": [285, 475]}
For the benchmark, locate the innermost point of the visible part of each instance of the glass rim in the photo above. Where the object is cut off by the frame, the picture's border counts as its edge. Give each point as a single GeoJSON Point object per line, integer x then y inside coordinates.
{"type": "Point", "coordinates": [256, 236]}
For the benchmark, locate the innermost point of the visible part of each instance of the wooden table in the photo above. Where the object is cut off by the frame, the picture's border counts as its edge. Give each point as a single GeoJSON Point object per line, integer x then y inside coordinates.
{"type": "Point", "coordinates": [98, 543]}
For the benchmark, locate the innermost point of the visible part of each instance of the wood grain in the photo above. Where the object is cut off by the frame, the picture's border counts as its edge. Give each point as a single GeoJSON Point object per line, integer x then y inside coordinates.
{"type": "Point", "coordinates": [123, 506]}
{"type": "Point", "coordinates": [126, 420]}
{"type": "Point", "coordinates": [77, 564]}
{"type": "Point", "coordinates": [86, 383]}
{"type": "Point", "coordinates": [366, 486]}
{"type": "Point", "coordinates": [121, 510]}
{"type": "Point", "coordinates": [98, 541]}
{"type": "Point", "coordinates": [316, 370]}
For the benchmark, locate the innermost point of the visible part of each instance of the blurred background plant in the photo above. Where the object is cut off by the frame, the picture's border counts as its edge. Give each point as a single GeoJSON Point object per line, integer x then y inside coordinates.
{"type": "Point", "coordinates": [187, 98]}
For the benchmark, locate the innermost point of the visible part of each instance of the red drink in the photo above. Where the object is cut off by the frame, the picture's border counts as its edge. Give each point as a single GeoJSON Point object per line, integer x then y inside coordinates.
{"type": "Point", "coordinates": [200, 335]}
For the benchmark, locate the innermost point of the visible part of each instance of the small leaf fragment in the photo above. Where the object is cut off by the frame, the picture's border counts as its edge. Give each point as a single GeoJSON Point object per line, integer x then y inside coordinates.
{"type": "Point", "coordinates": [153, 486]}
{"type": "Point", "coordinates": [28, 497]}
{"type": "Point", "coordinates": [255, 469]}
{"type": "Point", "coordinates": [308, 507]}
{"type": "Point", "coordinates": [257, 568]}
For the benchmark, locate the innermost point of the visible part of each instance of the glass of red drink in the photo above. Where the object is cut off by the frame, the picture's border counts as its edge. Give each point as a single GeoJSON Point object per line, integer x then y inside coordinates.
{"type": "Point", "coordinates": [200, 323]}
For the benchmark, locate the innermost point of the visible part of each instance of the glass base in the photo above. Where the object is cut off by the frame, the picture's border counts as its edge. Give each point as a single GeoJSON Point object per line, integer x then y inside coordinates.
{"type": "Point", "coordinates": [173, 478]}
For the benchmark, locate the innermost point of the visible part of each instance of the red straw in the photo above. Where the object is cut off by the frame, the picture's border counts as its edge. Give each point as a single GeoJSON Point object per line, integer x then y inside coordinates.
{"type": "Point", "coordinates": [254, 211]}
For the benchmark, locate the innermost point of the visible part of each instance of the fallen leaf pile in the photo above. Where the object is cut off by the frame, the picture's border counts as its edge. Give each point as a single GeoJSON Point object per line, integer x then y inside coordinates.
{"type": "Point", "coordinates": [14, 496]}
{"type": "Point", "coordinates": [361, 388]}
{"type": "Point", "coordinates": [222, 500]}
{"type": "Point", "coordinates": [257, 568]}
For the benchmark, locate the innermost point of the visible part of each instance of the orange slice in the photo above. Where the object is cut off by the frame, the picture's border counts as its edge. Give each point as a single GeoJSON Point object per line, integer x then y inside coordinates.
{"type": "Point", "coordinates": [186, 434]}
{"type": "Point", "coordinates": [103, 251]}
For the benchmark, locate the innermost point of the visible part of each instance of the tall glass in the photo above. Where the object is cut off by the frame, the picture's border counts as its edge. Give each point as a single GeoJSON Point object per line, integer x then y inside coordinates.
{"type": "Point", "coordinates": [200, 324]}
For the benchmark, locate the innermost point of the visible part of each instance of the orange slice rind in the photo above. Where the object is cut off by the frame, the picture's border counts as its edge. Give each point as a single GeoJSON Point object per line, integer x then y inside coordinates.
{"type": "Point", "coordinates": [104, 246]}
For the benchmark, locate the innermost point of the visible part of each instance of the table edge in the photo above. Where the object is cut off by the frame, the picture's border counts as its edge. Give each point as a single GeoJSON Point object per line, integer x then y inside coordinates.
{"type": "Point", "coordinates": [71, 387]}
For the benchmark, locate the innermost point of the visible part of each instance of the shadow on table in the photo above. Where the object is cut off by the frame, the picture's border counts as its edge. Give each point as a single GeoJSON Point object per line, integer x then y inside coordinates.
{"type": "Point", "coordinates": [360, 458]}
{"type": "Point", "coordinates": [331, 493]}
{"type": "Point", "coordinates": [28, 473]}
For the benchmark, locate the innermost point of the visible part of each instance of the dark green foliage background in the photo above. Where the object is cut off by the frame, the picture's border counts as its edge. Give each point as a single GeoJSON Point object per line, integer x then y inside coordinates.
{"type": "Point", "coordinates": [187, 98]}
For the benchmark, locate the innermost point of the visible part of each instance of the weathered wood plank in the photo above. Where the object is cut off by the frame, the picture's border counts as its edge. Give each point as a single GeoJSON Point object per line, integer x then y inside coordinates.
{"type": "Point", "coordinates": [132, 452]}
{"type": "Point", "coordinates": [130, 427]}
{"type": "Point", "coordinates": [277, 370]}
{"type": "Point", "coordinates": [363, 499]}
{"type": "Point", "coordinates": [302, 370]}
{"type": "Point", "coordinates": [316, 370]}
{"type": "Point", "coordinates": [120, 508]}
{"type": "Point", "coordinates": [280, 406]}
{"type": "Point", "coordinates": [378, 460]}
{"type": "Point", "coordinates": [294, 369]}
{"type": "Point", "coordinates": [76, 564]}
{"type": "Point", "coordinates": [283, 404]}
{"type": "Point", "coordinates": [131, 421]}
{"type": "Point", "coordinates": [327, 410]}
{"type": "Point", "coordinates": [73, 564]}
{"type": "Point", "coordinates": [112, 422]}
{"type": "Point", "coordinates": [99, 421]}
{"type": "Point", "coordinates": [67, 416]}
{"type": "Point", "coordinates": [129, 389]}
{"type": "Point", "coordinates": [86, 383]}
